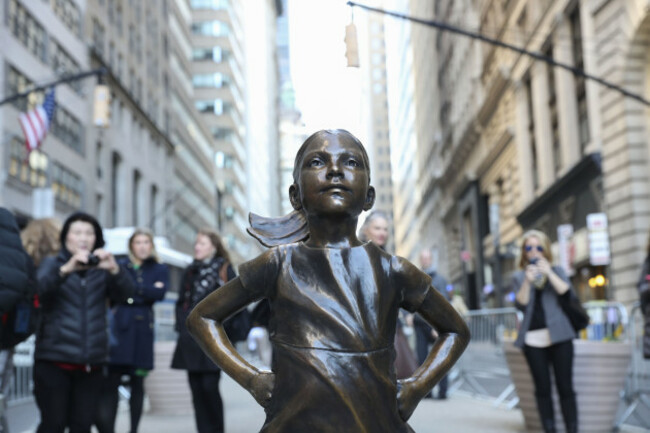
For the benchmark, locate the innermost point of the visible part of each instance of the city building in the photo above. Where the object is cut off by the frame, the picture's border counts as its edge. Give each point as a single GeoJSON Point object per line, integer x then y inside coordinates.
{"type": "Point", "coordinates": [509, 142]}
{"type": "Point", "coordinates": [375, 91]}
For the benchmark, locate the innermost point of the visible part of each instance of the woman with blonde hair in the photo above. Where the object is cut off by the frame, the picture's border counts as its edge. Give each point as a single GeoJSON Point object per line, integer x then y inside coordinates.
{"type": "Point", "coordinates": [546, 334]}
{"type": "Point", "coordinates": [40, 238]}
{"type": "Point", "coordinates": [132, 326]}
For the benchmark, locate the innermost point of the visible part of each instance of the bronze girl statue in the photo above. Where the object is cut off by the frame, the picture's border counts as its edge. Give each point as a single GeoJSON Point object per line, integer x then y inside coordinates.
{"type": "Point", "coordinates": [334, 304]}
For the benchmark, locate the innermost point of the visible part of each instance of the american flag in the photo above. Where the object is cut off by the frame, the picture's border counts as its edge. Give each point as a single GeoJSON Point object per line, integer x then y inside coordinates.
{"type": "Point", "coordinates": [36, 122]}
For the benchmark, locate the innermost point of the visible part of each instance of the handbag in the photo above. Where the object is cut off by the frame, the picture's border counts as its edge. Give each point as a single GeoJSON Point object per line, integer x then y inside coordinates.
{"type": "Point", "coordinates": [405, 361]}
{"type": "Point", "coordinates": [574, 311]}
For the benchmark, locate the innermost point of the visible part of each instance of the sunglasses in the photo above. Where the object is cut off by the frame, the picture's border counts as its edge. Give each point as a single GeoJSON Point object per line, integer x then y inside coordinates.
{"type": "Point", "coordinates": [529, 248]}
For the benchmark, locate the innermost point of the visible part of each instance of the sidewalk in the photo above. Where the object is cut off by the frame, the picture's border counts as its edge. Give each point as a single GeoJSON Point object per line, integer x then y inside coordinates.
{"type": "Point", "coordinates": [458, 413]}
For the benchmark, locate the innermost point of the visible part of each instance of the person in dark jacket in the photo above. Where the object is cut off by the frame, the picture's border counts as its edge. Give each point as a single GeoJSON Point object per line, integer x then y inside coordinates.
{"type": "Point", "coordinates": [205, 275]}
{"type": "Point", "coordinates": [132, 327]}
{"type": "Point", "coordinates": [72, 342]}
{"type": "Point", "coordinates": [644, 297]}
{"type": "Point", "coordinates": [546, 334]}
{"type": "Point", "coordinates": [15, 269]}
{"type": "Point", "coordinates": [424, 333]}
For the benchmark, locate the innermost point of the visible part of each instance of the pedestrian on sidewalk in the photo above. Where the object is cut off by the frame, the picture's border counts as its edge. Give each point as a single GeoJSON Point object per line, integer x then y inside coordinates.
{"type": "Point", "coordinates": [375, 229]}
{"type": "Point", "coordinates": [16, 272]}
{"type": "Point", "coordinates": [334, 307]}
{"type": "Point", "coordinates": [210, 270]}
{"type": "Point", "coordinates": [546, 334]}
{"type": "Point", "coordinates": [72, 341]}
{"type": "Point", "coordinates": [644, 296]}
{"type": "Point", "coordinates": [425, 335]}
{"type": "Point", "coordinates": [132, 331]}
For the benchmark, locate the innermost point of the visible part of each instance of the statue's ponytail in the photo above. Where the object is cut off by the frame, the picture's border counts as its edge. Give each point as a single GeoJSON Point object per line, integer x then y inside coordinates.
{"type": "Point", "coordinates": [276, 231]}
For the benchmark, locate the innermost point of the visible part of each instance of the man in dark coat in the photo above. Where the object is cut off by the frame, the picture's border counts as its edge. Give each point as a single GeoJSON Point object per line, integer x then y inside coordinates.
{"type": "Point", "coordinates": [14, 275]}
{"type": "Point", "coordinates": [424, 333]}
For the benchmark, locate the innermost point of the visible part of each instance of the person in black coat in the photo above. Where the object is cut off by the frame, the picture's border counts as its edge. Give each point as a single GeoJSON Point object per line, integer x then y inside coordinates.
{"type": "Point", "coordinates": [15, 269]}
{"type": "Point", "coordinates": [209, 271]}
{"type": "Point", "coordinates": [13, 263]}
{"type": "Point", "coordinates": [644, 297]}
{"type": "Point", "coordinates": [72, 342]}
{"type": "Point", "coordinates": [132, 328]}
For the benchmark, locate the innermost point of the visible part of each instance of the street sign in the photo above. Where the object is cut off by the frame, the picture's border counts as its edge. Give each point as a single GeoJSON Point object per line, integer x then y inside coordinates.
{"type": "Point", "coordinates": [565, 244]}
{"type": "Point", "coordinates": [599, 252]}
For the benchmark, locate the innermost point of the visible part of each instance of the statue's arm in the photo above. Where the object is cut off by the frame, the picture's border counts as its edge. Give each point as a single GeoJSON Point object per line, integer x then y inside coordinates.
{"type": "Point", "coordinates": [453, 337]}
{"type": "Point", "coordinates": [205, 323]}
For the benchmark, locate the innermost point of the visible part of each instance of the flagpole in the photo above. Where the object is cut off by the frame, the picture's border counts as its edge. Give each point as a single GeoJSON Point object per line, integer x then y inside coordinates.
{"type": "Point", "coordinates": [66, 79]}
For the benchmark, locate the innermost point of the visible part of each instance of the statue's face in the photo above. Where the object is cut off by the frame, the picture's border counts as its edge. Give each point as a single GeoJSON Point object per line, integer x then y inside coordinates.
{"type": "Point", "coordinates": [333, 178]}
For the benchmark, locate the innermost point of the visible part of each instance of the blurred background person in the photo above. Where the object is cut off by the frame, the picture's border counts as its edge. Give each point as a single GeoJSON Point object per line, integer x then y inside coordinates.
{"type": "Point", "coordinates": [424, 333]}
{"type": "Point", "coordinates": [644, 296]}
{"type": "Point", "coordinates": [16, 271]}
{"type": "Point", "coordinates": [546, 334]}
{"type": "Point", "coordinates": [40, 238]}
{"type": "Point", "coordinates": [210, 270]}
{"type": "Point", "coordinates": [72, 342]}
{"type": "Point", "coordinates": [132, 331]}
{"type": "Point", "coordinates": [375, 229]}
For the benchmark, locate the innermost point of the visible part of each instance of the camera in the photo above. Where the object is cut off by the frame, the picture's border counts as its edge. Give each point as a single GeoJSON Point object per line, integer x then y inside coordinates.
{"type": "Point", "coordinates": [93, 260]}
{"type": "Point", "coordinates": [540, 279]}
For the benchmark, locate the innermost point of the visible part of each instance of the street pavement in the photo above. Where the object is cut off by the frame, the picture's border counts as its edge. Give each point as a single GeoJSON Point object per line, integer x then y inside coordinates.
{"type": "Point", "coordinates": [459, 413]}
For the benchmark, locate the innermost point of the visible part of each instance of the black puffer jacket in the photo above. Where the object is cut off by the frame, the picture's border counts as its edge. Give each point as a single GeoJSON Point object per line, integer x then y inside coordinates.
{"type": "Point", "coordinates": [13, 263]}
{"type": "Point", "coordinates": [74, 328]}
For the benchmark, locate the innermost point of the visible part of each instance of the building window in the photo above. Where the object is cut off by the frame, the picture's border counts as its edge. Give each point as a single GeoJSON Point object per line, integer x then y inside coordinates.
{"type": "Point", "coordinates": [210, 4]}
{"type": "Point", "coordinates": [31, 171]}
{"type": "Point", "coordinates": [98, 37]}
{"type": "Point", "coordinates": [214, 106]}
{"type": "Point", "coordinates": [67, 129]}
{"type": "Point", "coordinates": [135, 195]}
{"type": "Point", "coordinates": [215, 54]}
{"type": "Point", "coordinates": [531, 134]}
{"type": "Point", "coordinates": [67, 186]}
{"type": "Point", "coordinates": [116, 193]}
{"type": "Point", "coordinates": [153, 207]}
{"type": "Point", "coordinates": [69, 14]}
{"type": "Point", "coordinates": [209, 80]}
{"type": "Point", "coordinates": [64, 64]}
{"type": "Point", "coordinates": [19, 83]}
{"type": "Point", "coordinates": [553, 115]}
{"type": "Point", "coordinates": [581, 90]}
{"type": "Point", "coordinates": [210, 28]}
{"type": "Point", "coordinates": [26, 29]}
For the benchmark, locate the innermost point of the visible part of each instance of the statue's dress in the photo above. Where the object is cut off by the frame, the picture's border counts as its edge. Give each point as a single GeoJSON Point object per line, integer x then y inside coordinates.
{"type": "Point", "coordinates": [333, 318]}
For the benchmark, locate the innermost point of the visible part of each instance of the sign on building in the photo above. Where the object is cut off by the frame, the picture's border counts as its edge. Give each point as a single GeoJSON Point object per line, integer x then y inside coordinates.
{"type": "Point", "coordinates": [565, 244]}
{"type": "Point", "coordinates": [599, 252]}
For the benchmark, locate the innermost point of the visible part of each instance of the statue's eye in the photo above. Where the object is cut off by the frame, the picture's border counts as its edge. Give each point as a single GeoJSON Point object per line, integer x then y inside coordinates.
{"type": "Point", "coordinates": [353, 163]}
{"type": "Point", "coordinates": [316, 162]}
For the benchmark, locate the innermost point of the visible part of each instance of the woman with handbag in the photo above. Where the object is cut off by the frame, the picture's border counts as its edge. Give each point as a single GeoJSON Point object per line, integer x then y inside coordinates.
{"type": "Point", "coordinates": [210, 270]}
{"type": "Point", "coordinates": [546, 334]}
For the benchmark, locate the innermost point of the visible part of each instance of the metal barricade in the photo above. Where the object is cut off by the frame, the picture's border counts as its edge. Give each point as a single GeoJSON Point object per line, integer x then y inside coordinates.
{"type": "Point", "coordinates": [22, 384]}
{"type": "Point", "coordinates": [636, 396]}
{"type": "Point", "coordinates": [482, 370]}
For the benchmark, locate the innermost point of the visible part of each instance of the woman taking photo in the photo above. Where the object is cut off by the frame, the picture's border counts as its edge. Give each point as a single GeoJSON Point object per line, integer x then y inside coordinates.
{"type": "Point", "coordinates": [133, 330]}
{"type": "Point", "coordinates": [210, 270]}
{"type": "Point", "coordinates": [72, 342]}
{"type": "Point", "coordinates": [546, 335]}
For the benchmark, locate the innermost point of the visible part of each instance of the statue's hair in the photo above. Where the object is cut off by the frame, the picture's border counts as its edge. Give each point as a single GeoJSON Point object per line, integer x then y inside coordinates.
{"type": "Point", "coordinates": [294, 227]}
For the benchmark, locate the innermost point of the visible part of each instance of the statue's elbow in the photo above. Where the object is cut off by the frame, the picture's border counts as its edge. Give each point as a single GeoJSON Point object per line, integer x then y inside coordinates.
{"type": "Point", "coordinates": [192, 322]}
